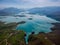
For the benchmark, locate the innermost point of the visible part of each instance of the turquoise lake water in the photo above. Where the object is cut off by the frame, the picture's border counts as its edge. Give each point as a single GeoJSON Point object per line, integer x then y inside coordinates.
{"type": "Point", "coordinates": [37, 23]}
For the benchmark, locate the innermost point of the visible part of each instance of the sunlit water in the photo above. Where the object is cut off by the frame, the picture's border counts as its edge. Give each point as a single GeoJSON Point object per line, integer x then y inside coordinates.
{"type": "Point", "coordinates": [37, 24]}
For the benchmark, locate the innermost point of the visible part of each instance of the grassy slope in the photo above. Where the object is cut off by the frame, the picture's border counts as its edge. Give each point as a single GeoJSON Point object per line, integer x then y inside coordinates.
{"type": "Point", "coordinates": [10, 36]}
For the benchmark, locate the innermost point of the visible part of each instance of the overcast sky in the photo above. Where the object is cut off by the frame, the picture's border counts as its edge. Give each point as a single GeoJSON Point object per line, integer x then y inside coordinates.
{"type": "Point", "coordinates": [28, 3]}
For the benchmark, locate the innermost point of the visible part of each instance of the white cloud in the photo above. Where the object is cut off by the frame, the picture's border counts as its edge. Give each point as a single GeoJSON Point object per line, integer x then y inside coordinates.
{"type": "Point", "coordinates": [31, 3]}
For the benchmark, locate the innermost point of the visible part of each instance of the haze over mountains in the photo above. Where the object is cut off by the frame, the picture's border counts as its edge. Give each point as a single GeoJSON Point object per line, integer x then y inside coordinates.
{"type": "Point", "coordinates": [44, 10]}
{"type": "Point", "coordinates": [53, 12]}
{"type": "Point", "coordinates": [10, 11]}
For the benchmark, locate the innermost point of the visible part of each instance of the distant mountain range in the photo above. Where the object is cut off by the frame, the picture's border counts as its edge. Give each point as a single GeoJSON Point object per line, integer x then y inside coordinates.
{"type": "Point", "coordinates": [53, 12]}
{"type": "Point", "coordinates": [44, 10]}
{"type": "Point", "coordinates": [10, 11]}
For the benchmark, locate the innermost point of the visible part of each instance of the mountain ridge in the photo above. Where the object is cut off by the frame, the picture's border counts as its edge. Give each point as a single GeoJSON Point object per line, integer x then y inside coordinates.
{"type": "Point", "coordinates": [53, 12]}
{"type": "Point", "coordinates": [10, 11]}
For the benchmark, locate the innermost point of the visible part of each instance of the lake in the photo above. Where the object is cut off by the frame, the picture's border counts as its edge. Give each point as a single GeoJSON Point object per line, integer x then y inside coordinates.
{"type": "Point", "coordinates": [33, 23]}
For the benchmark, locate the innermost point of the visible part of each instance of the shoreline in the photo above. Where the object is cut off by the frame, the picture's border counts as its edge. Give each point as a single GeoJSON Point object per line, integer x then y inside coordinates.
{"type": "Point", "coordinates": [47, 39]}
{"type": "Point", "coordinates": [54, 36]}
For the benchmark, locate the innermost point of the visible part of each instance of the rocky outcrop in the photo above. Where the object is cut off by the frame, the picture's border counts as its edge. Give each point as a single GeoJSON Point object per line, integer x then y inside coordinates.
{"type": "Point", "coordinates": [54, 36]}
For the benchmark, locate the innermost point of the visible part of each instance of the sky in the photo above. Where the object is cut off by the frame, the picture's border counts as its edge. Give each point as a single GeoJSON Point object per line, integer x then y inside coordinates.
{"type": "Point", "coordinates": [28, 3]}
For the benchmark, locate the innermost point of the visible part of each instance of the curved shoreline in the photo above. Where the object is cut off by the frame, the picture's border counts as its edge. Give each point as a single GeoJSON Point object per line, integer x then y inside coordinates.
{"type": "Point", "coordinates": [51, 38]}
{"type": "Point", "coordinates": [54, 36]}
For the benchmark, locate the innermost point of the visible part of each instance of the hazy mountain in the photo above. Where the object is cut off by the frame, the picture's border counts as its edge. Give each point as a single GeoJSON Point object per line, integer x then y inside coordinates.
{"type": "Point", "coordinates": [53, 12]}
{"type": "Point", "coordinates": [55, 15]}
{"type": "Point", "coordinates": [10, 11]}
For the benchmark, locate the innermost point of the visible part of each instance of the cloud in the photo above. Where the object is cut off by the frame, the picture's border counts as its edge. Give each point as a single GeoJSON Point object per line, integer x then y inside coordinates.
{"type": "Point", "coordinates": [29, 3]}
{"type": "Point", "coordinates": [54, 0]}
